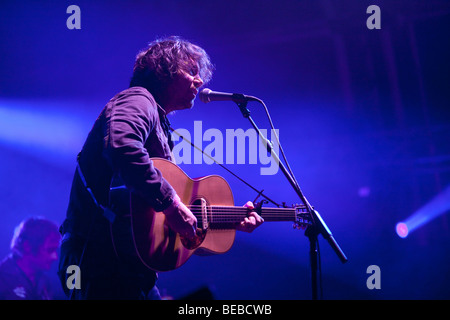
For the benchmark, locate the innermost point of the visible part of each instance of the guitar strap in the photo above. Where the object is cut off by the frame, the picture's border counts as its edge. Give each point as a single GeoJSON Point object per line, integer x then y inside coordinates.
{"type": "Point", "coordinates": [107, 213]}
{"type": "Point", "coordinates": [111, 216]}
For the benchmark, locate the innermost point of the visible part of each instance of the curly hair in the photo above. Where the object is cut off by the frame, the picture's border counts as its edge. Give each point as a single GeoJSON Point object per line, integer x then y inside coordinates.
{"type": "Point", "coordinates": [156, 65]}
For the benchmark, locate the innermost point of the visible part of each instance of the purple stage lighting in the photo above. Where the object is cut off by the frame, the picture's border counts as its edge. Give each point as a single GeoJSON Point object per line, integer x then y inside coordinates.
{"type": "Point", "coordinates": [436, 207]}
{"type": "Point", "coordinates": [402, 229]}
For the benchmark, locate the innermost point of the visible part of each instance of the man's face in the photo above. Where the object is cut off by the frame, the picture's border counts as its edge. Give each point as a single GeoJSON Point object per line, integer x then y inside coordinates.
{"type": "Point", "coordinates": [183, 89]}
{"type": "Point", "coordinates": [47, 254]}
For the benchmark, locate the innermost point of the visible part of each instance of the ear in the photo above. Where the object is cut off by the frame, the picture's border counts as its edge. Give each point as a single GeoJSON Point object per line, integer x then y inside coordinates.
{"type": "Point", "coordinates": [26, 247]}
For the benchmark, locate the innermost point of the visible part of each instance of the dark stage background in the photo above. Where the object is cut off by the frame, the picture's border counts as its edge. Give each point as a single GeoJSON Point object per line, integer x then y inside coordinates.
{"type": "Point", "coordinates": [363, 117]}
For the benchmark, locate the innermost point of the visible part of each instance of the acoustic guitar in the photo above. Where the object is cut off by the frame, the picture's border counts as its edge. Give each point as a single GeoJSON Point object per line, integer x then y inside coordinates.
{"type": "Point", "coordinates": [140, 234]}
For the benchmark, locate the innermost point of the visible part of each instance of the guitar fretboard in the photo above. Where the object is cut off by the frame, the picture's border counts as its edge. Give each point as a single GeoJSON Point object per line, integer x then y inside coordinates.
{"type": "Point", "coordinates": [228, 214]}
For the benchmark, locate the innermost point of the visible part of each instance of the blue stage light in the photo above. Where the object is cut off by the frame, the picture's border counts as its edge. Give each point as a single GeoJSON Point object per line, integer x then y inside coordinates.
{"type": "Point", "coordinates": [53, 130]}
{"type": "Point", "coordinates": [439, 205]}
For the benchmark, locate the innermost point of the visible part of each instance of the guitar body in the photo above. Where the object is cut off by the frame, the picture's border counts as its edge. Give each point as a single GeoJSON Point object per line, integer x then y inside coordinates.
{"type": "Point", "coordinates": [140, 234]}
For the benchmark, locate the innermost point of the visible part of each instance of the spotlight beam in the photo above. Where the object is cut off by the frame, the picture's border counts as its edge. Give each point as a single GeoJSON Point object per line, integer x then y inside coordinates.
{"type": "Point", "coordinates": [436, 207]}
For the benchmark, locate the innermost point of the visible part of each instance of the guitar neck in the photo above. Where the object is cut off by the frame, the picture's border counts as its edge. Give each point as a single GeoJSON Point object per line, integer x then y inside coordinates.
{"type": "Point", "coordinates": [227, 214]}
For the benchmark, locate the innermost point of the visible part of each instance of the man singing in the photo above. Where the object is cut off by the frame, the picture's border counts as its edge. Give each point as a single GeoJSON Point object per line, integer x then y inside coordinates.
{"type": "Point", "coordinates": [131, 129]}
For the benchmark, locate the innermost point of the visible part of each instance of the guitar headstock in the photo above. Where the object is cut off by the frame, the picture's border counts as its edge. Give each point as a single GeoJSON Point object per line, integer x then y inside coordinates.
{"type": "Point", "coordinates": [302, 217]}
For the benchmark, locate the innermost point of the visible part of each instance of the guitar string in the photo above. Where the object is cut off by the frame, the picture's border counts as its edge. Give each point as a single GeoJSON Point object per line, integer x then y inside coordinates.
{"type": "Point", "coordinates": [242, 208]}
{"type": "Point", "coordinates": [238, 210]}
{"type": "Point", "coordinates": [224, 215]}
{"type": "Point", "coordinates": [241, 212]}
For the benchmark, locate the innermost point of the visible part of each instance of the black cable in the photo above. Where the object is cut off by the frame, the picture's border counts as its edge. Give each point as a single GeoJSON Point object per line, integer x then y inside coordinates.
{"type": "Point", "coordinates": [278, 141]}
{"type": "Point", "coordinates": [229, 171]}
{"type": "Point", "coordinates": [319, 263]}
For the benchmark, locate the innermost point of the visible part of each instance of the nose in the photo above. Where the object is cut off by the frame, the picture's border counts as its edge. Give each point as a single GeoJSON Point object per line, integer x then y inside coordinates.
{"type": "Point", "coordinates": [198, 82]}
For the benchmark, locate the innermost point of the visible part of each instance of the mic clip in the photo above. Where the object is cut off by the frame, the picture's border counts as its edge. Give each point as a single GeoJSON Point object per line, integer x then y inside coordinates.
{"type": "Point", "coordinates": [242, 102]}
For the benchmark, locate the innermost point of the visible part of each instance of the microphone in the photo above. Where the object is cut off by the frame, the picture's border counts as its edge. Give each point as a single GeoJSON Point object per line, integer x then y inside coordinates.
{"type": "Point", "coordinates": [207, 95]}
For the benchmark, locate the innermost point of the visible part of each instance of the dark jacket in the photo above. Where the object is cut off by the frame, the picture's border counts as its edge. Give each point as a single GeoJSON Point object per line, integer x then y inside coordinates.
{"type": "Point", "coordinates": [130, 130]}
{"type": "Point", "coordinates": [15, 285]}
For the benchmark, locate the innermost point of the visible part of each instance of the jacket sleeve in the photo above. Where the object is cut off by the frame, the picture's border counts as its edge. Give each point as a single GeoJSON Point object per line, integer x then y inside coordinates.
{"type": "Point", "coordinates": [131, 119]}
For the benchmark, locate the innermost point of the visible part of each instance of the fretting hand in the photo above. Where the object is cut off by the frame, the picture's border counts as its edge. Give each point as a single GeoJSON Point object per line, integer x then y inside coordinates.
{"type": "Point", "coordinates": [252, 221]}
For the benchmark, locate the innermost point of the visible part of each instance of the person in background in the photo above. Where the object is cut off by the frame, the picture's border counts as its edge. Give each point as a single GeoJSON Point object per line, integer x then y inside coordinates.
{"type": "Point", "coordinates": [23, 272]}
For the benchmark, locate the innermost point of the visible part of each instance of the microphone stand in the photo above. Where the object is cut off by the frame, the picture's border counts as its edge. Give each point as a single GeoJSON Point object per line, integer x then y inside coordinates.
{"type": "Point", "coordinates": [318, 224]}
